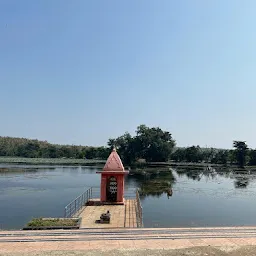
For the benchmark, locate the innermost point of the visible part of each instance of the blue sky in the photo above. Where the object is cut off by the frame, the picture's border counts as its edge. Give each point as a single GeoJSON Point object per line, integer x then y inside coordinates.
{"type": "Point", "coordinates": [80, 72]}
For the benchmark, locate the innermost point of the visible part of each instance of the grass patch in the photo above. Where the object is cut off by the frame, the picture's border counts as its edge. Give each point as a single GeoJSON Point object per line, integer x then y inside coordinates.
{"type": "Point", "coordinates": [45, 222]}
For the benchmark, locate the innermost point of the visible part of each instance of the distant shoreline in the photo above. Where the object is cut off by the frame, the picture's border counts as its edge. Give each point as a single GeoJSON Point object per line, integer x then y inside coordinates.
{"type": "Point", "coordinates": [96, 162]}
{"type": "Point", "coordinates": [50, 161]}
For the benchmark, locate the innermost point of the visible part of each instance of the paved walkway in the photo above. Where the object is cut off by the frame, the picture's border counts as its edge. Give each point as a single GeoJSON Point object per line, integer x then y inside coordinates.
{"type": "Point", "coordinates": [121, 215]}
{"type": "Point", "coordinates": [196, 251]}
{"type": "Point", "coordinates": [130, 214]}
{"type": "Point", "coordinates": [110, 239]}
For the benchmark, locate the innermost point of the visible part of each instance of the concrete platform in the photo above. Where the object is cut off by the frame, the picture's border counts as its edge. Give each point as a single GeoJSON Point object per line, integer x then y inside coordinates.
{"type": "Point", "coordinates": [121, 215]}
{"type": "Point", "coordinates": [203, 241]}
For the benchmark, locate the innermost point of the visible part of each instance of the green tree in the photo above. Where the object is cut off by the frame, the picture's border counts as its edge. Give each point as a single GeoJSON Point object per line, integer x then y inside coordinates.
{"type": "Point", "coordinates": [252, 157]}
{"type": "Point", "coordinates": [126, 147]}
{"type": "Point", "coordinates": [151, 144]}
{"type": "Point", "coordinates": [91, 153]}
{"type": "Point", "coordinates": [221, 157]}
{"type": "Point", "coordinates": [102, 153]}
{"type": "Point", "coordinates": [64, 151]}
{"type": "Point", "coordinates": [232, 156]}
{"type": "Point", "coordinates": [30, 149]}
{"type": "Point", "coordinates": [193, 154]}
{"type": "Point", "coordinates": [179, 155]}
{"type": "Point", "coordinates": [33, 148]}
{"type": "Point", "coordinates": [241, 152]}
{"type": "Point", "coordinates": [208, 154]}
{"type": "Point", "coordinates": [154, 144]}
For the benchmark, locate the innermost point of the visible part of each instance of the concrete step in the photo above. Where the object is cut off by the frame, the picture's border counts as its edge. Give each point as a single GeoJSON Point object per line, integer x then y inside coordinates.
{"type": "Point", "coordinates": [127, 234]}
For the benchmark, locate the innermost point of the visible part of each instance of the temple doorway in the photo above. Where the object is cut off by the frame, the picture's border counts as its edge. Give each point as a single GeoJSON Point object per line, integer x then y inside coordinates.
{"type": "Point", "coordinates": [112, 189]}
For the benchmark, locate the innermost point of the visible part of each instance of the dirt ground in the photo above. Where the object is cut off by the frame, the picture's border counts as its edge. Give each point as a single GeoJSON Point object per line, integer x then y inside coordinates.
{"type": "Point", "coordinates": [195, 251]}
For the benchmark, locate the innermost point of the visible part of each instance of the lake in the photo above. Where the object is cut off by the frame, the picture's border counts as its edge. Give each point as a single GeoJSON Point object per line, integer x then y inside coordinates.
{"type": "Point", "coordinates": [200, 198]}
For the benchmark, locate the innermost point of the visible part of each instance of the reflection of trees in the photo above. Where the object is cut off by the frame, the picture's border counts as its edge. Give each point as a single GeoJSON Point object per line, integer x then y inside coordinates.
{"type": "Point", "coordinates": [158, 182]}
{"type": "Point", "coordinates": [241, 182]}
{"type": "Point", "coordinates": [155, 188]}
{"type": "Point", "coordinates": [135, 179]}
{"type": "Point", "coordinates": [208, 172]}
{"type": "Point", "coordinates": [191, 174]}
{"type": "Point", "coordinates": [224, 172]}
{"type": "Point", "coordinates": [195, 175]}
{"type": "Point", "coordinates": [152, 183]}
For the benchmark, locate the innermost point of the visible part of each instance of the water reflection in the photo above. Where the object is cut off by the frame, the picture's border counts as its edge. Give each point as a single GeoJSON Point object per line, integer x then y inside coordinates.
{"type": "Point", "coordinates": [241, 179]}
{"type": "Point", "coordinates": [241, 182]}
{"type": "Point", "coordinates": [153, 184]}
{"type": "Point", "coordinates": [162, 181]}
{"type": "Point", "coordinates": [205, 196]}
{"type": "Point", "coordinates": [169, 193]}
{"type": "Point", "coordinates": [191, 174]}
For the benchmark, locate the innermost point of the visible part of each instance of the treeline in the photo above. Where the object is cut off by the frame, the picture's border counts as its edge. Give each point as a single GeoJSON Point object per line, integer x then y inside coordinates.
{"type": "Point", "coordinates": [195, 154]}
{"type": "Point", "coordinates": [155, 145]}
{"type": "Point", "coordinates": [148, 144]}
{"type": "Point", "coordinates": [20, 147]}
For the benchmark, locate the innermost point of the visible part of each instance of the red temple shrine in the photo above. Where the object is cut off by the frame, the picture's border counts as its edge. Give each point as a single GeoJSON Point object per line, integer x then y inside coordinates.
{"type": "Point", "coordinates": [112, 180]}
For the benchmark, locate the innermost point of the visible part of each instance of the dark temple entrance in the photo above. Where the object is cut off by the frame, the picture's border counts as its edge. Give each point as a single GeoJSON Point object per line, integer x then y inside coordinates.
{"type": "Point", "coordinates": [112, 189]}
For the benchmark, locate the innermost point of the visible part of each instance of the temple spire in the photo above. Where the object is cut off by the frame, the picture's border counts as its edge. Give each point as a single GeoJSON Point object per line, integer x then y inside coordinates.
{"type": "Point", "coordinates": [114, 162]}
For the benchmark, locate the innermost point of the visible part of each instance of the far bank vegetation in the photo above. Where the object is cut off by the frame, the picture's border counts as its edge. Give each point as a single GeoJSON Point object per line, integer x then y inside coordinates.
{"type": "Point", "coordinates": [147, 146]}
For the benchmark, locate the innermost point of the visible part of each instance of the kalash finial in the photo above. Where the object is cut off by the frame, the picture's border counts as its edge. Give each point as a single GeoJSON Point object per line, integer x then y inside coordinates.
{"type": "Point", "coordinates": [114, 149]}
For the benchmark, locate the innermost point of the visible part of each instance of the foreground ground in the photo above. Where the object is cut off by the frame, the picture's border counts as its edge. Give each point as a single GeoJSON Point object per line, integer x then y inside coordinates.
{"type": "Point", "coordinates": [177, 241]}
{"type": "Point", "coordinates": [196, 251]}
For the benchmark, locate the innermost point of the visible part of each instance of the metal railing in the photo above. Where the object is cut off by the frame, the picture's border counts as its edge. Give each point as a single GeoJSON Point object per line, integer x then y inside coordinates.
{"type": "Point", "coordinates": [139, 212]}
{"type": "Point", "coordinates": [72, 208]}
{"type": "Point", "coordinates": [76, 205]}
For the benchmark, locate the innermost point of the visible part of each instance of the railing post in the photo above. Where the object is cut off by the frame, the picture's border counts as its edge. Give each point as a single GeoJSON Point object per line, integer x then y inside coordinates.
{"type": "Point", "coordinates": [139, 209]}
{"type": "Point", "coordinates": [72, 208]}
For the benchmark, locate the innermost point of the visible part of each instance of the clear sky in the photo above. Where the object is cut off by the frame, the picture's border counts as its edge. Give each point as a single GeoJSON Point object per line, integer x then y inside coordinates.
{"type": "Point", "coordinates": [80, 71]}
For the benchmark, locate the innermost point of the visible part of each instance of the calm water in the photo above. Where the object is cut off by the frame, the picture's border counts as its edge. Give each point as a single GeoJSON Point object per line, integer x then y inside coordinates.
{"type": "Point", "coordinates": [199, 199]}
